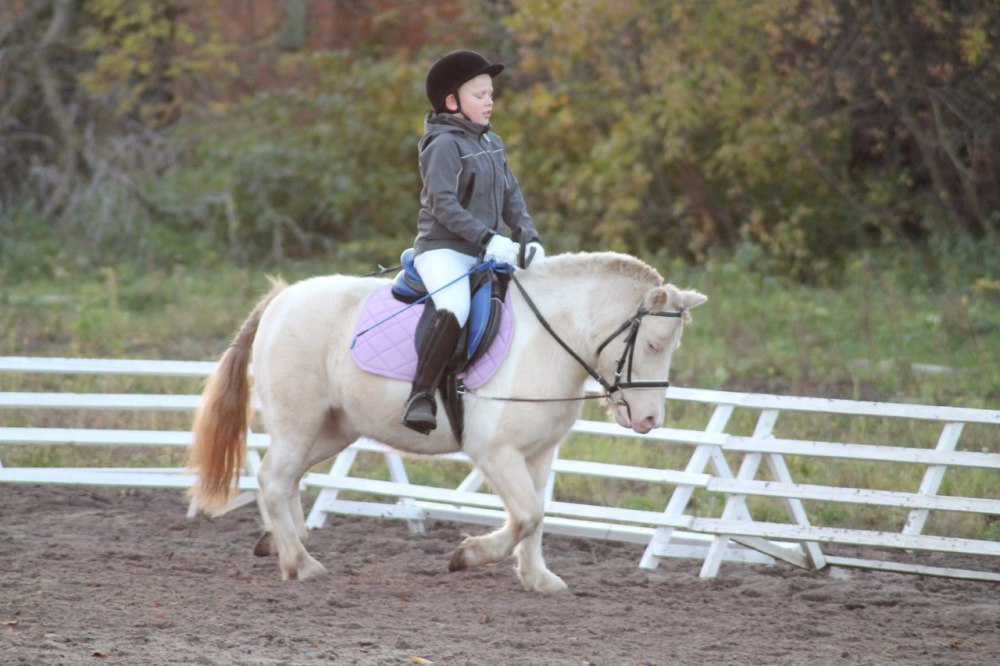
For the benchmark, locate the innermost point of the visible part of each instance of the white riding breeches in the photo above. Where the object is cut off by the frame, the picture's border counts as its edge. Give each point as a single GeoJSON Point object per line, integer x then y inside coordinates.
{"type": "Point", "coordinates": [438, 268]}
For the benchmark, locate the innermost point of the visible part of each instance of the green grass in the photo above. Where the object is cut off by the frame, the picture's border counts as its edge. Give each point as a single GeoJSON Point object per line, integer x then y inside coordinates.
{"type": "Point", "coordinates": [868, 335]}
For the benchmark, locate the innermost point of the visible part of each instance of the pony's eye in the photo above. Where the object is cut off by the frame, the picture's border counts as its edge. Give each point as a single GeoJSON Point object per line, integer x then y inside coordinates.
{"type": "Point", "coordinates": [652, 348]}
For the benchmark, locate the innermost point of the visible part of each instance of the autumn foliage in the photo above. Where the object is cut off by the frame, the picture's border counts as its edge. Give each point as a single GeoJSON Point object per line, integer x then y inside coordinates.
{"type": "Point", "coordinates": [801, 129]}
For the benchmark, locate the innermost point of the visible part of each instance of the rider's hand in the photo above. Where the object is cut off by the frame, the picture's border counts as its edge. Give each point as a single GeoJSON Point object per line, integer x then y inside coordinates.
{"type": "Point", "coordinates": [502, 250]}
{"type": "Point", "coordinates": [536, 247]}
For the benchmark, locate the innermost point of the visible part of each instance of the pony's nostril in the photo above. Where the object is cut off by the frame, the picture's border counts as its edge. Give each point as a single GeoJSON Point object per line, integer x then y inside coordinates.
{"type": "Point", "coordinates": [646, 424]}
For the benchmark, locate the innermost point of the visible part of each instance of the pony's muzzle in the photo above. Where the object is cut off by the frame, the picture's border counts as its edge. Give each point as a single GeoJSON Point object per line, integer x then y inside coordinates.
{"type": "Point", "coordinates": [645, 425]}
{"type": "Point", "coordinates": [624, 416]}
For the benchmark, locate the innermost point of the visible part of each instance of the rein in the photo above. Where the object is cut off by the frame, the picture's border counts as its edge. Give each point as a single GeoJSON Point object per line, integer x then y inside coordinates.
{"type": "Point", "coordinates": [610, 389]}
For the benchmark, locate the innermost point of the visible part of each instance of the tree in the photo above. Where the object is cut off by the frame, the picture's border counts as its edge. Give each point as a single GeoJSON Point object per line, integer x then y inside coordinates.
{"type": "Point", "coordinates": [807, 128]}
{"type": "Point", "coordinates": [86, 86]}
{"type": "Point", "coordinates": [921, 85]}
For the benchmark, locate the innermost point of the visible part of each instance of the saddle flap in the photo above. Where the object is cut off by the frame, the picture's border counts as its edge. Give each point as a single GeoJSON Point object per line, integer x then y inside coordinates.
{"type": "Point", "coordinates": [484, 318]}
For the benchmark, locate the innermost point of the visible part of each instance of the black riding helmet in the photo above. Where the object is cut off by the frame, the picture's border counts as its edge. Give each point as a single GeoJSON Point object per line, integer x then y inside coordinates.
{"type": "Point", "coordinates": [448, 74]}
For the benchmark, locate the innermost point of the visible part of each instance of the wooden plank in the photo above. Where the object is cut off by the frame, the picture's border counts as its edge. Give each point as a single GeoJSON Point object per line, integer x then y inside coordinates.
{"type": "Point", "coordinates": [845, 536]}
{"type": "Point", "coordinates": [779, 470]}
{"type": "Point", "coordinates": [102, 477]}
{"type": "Point", "coordinates": [109, 437]}
{"type": "Point", "coordinates": [791, 553]}
{"type": "Point", "coordinates": [377, 487]}
{"type": "Point", "coordinates": [97, 366]}
{"type": "Point", "coordinates": [933, 475]}
{"type": "Point", "coordinates": [397, 472]}
{"type": "Point", "coordinates": [922, 569]}
{"type": "Point", "coordinates": [855, 496]}
{"type": "Point", "coordinates": [630, 473]}
{"type": "Point", "coordinates": [672, 435]}
{"type": "Point", "coordinates": [836, 406]}
{"type": "Point", "coordinates": [373, 510]}
{"type": "Point", "coordinates": [736, 555]}
{"type": "Point", "coordinates": [153, 402]}
{"type": "Point", "coordinates": [327, 497]}
{"type": "Point", "coordinates": [611, 514]}
{"type": "Point", "coordinates": [374, 446]}
{"type": "Point", "coordinates": [869, 452]}
{"type": "Point", "coordinates": [94, 436]}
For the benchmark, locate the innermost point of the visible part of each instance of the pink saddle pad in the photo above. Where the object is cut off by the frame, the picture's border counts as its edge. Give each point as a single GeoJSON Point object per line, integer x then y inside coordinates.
{"type": "Point", "coordinates": [388, 349]}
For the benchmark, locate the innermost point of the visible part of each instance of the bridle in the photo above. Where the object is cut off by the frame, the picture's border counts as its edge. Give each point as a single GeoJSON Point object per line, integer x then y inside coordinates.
{"type": "Point", "coordinates": [612, 389]}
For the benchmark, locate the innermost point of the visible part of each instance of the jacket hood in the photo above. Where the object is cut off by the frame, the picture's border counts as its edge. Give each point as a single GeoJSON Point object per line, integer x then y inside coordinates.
{"type": "Point", "coordinates": [436, 124]}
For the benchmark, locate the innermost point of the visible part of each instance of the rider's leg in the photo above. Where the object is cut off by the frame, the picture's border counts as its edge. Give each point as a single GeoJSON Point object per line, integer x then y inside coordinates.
{"type": "Point", "coordinates": [438, 269]}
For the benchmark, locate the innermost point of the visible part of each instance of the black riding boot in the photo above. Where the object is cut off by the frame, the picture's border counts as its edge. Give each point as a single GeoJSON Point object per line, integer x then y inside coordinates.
{"type": "Point", "coordinates": [435, 351]}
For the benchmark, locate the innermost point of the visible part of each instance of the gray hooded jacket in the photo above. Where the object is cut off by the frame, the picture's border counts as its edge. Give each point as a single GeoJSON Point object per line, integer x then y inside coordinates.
{"type": "Point", "coordinates": [469, 191]}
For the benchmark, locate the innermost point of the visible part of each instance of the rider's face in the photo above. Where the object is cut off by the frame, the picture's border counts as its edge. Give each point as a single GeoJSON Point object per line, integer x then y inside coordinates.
{"type": "Point", "coordinates": [476, 96]}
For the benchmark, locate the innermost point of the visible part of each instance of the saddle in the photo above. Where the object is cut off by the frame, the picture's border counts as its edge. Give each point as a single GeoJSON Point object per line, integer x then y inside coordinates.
{"type": "Point", "coordinates": [394, 319]}
{"type": "Point", "coordinates": [489, 290]}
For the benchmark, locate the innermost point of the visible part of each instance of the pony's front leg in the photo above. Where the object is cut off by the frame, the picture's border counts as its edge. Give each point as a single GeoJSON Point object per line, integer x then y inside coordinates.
{"type": "Point", "coordinates": [531, 569]}
{"type": "Point", "coordinates": [507, 472]}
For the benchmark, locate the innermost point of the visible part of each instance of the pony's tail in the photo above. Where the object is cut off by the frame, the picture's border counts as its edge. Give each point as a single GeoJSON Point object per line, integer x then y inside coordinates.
{"type": "Point", "coordinates": [219, 435]}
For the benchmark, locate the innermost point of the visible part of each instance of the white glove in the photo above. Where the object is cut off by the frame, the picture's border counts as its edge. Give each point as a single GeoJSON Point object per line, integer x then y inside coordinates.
{"type": "Point", "coordinates": [502, 250]}
{"type": "Point", "coordinates": [538, 250]}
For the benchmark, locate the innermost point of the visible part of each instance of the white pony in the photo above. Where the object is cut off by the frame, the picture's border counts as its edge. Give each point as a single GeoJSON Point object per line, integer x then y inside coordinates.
{"type": "Point", "coordinates": [315, 401]}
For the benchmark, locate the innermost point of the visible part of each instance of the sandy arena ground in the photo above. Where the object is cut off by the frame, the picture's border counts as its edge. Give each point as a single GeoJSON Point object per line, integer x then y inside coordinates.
{"type": "Point", "coordinates": [122, 577]}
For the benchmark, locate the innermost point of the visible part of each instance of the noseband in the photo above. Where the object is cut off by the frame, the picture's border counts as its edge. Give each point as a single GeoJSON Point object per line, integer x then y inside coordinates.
{"type": "Point", "coordinates": [632, 326]}
{"type": "Point", "coordinates": [624, 362]}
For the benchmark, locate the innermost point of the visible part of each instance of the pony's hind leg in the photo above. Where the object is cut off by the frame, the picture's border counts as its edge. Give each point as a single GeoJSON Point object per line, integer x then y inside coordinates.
{"type": "Point", "coordinates": [266, 544]}
{"type": "Point", "coordinates": [507, 472]}
{"type": "Point", "coordinates": [289, 457]}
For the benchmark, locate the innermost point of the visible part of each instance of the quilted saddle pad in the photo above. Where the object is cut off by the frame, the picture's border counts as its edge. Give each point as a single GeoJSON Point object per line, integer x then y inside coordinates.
{"type": "Point", "coordinates": [388, 349]}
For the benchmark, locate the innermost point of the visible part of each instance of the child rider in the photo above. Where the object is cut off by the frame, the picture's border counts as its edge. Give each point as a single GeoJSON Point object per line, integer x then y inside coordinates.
{"type": "Point", "coordinates": [469, 194]}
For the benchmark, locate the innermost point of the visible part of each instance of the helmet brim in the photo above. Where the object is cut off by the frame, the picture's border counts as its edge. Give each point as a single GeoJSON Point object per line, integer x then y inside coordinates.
{"type": "Point", "coordinates": [492, 70]}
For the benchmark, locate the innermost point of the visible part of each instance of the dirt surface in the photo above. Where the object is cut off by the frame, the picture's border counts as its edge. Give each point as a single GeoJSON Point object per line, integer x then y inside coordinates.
{"type": "Point", "coordinates": [106, 576]}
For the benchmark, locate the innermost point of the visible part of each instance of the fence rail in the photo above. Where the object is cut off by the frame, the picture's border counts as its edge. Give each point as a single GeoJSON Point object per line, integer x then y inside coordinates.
{"type": "Point", "coordinates": [671, 532]}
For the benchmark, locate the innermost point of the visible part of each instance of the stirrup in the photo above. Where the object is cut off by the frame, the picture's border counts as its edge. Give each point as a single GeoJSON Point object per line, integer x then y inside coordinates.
{"type": "Point", "coordinates": [420, 413]}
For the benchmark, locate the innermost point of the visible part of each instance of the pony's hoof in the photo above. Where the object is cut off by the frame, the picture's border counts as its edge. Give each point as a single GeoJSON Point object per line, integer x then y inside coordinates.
{"type": "Point", "coordinates": [458, 562]}
{"type": "Point", "coordinates": [265, 545]}
{"type": "Point", "coordinates": [309, 568]}
{"type": "Point", "coordinates": [545, 582]}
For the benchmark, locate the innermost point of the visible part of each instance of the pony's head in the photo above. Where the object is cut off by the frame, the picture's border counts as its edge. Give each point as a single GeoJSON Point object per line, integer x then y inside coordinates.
{"type": "Point", "coordinates": [642, 352]}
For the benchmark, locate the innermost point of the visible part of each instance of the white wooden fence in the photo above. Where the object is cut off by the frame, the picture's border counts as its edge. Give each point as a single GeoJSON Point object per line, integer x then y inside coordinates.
{"type": "Point", "coordinates": [671, 532]}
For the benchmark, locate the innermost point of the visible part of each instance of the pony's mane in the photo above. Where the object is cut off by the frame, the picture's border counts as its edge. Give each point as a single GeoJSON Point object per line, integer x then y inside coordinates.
{"type": "Point", "coordinates": [590, 263]}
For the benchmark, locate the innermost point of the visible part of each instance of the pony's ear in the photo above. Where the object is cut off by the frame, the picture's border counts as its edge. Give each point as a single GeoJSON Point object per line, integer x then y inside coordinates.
{"type": "Point", "coordinates": [691, 298]}
{"type": "Point", "coordinates": [658, 298]}
{"type": "Point", "coordinates": [684, 300]}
